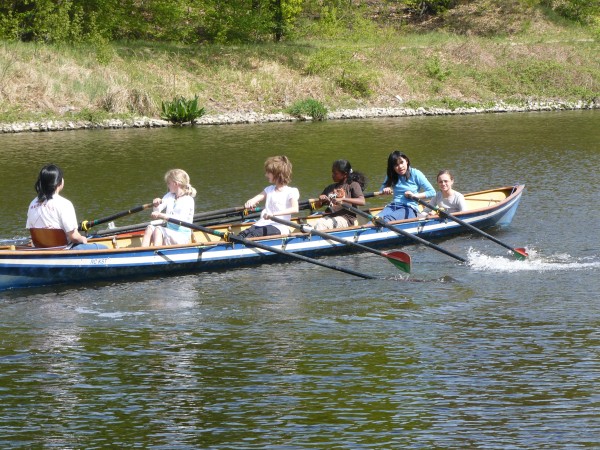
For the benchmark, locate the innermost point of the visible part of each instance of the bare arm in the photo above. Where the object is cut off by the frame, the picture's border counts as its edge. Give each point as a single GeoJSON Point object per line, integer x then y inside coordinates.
{"type": "Point", "coordinates": [75, 237]}
{"type": "Point", "coordinates": [255, 200]}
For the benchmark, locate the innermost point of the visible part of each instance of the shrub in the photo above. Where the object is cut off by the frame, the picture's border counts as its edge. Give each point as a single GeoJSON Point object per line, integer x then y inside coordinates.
{"type": "Point", "coordinates": [435, 70]}
{"type": "Point", "coordinates": [309, 107]}
{"type": "Point", "coordinates": [181, 110]}
{"type": "Point", "coordinates": [355, 83]}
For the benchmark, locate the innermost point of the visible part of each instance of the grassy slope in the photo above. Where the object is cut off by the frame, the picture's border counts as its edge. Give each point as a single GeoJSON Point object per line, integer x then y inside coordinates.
{"type": "Point", "coordinates": [535, 59]}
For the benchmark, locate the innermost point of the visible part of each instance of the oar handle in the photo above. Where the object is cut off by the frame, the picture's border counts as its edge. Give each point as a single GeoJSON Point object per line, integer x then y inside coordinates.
{"type": "Point", "coordinates": [87, 224]}
{"type": "Point", "coordinates": [444, 213]}
{"type": "Point", "coordinates": [383, 223]}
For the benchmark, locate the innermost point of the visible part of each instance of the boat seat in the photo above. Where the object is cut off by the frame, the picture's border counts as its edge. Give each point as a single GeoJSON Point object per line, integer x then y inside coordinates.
{"type": "Point", "coordinates": [48, 237]}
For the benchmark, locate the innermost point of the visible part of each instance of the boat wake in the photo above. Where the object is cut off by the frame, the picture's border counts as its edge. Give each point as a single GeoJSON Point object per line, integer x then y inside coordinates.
{"type": "Point", "coordinates": [534, 263]}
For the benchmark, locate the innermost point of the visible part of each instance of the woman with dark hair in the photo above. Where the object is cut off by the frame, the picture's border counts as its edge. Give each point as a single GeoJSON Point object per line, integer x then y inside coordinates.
{"type": "Point", "coordinates": [347, 187]}
{"type": "Point", "coordinates": [404, 182]}
{"type": "Point", "coordinates": [50, 213]}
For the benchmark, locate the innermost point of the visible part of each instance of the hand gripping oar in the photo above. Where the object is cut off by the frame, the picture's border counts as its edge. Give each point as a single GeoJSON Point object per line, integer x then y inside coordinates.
{"type": "Point", "coordinates": [383, 223]}
{"type": "Point", "coordinates": [399, 259]}
{"type": "Point", "coordinates": [520, 253]}
{"type": "Point", "coordinates": [87, 224]}
{"type": "Point", "coordinates": [249, 243]}
{"type": "Point", "coordinates": [315, 203]}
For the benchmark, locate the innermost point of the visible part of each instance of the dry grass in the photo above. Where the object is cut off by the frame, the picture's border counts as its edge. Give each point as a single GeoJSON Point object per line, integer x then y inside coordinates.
{"type": "Point", "coordinates": [45, 81]}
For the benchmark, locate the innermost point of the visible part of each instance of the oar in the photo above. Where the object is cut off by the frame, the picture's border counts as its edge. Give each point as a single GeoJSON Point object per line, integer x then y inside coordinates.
{"type": "Point", "coordinates": [218, 213]}
{"type": "Point", "coordinates": [520, 253]}
{"type": "Point", "coordinates": [383, 223]}
{"type": "Point", "coordinates": [206, 221]}
{"type": "Point", "coordinates": [399, 259]}
{"type": "Point", "coordinates": [315, 203]}
{"type": "Point", "coordinates": [210, 217]}
{"type": "Point", "coordinates": [311, 203]}
{"type": "Point", "coordinates": [249, 243]}
{"type": "Point", "coordinates": [87, 224]}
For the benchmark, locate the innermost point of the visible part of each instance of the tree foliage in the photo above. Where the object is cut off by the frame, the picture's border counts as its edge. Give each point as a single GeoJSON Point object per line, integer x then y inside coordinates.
{"type": "Point", "coordinates": [579, 10]}
{"type": "Point", "coordinates": [190, 21]}
{"type": "Point", "coordinates": [167, 20]}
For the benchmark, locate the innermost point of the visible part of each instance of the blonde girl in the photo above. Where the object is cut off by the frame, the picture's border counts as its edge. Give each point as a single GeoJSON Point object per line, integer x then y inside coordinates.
{"type": "Point", "coordinates": [178, 203]}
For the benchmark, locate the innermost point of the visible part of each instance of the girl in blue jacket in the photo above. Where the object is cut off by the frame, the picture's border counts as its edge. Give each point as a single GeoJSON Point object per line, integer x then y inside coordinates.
{"type": "Point", "coordinates": [404, 182]}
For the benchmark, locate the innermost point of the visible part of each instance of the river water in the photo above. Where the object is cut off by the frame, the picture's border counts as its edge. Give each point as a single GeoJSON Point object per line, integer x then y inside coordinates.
{"type": "Point", "coordinates": [495, 354]}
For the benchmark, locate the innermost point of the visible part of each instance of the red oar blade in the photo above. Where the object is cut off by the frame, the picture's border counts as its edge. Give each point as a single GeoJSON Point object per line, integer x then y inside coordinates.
{"type": "Point", "coordinates": [399, 259]}
{"type": "Point", "coordinates": [520, 253]}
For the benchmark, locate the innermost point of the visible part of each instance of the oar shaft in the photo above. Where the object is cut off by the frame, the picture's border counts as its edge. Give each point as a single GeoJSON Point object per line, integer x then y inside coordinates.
{"type": "Point", "coordinates": [465, 224]}
{"type": "Point", "coordinates": [217, 214]}
{"type": "Point", "coordinates": [397, 230]}
{"type": "Point", "coordinates": [249, 243]}
{"type": "Point", "coordinates": [87, 224]}
{"type": "Point", "coordinates": [311, 230]}
{"type": "Point", "coordinates": [208, 216]}
{"type": "Point", "coordinates": [400, 260]}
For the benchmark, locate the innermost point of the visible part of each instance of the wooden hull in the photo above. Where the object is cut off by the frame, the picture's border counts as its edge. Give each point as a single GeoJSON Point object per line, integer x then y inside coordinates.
{"type": "Point", "coordinates": [20, 268]}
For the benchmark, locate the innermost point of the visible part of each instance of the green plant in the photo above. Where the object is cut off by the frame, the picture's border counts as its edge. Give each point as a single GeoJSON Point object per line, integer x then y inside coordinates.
{"type": "Point", "coordinates": [309, 107]}
{"type": "Point", "coordinates": [435, 70]}
{"type": "Point", "coordinates": [181, 110]}
{"type": "Point", "coordinates": [355, 83]}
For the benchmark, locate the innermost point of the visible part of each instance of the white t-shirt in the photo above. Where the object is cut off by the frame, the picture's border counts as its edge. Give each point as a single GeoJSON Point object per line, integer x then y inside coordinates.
{"type": "Point", "coordinates": [181, 208]}
{"type": "Point", "coordinates": [278, 201]}
{"type": "Point", "coordinates": [58, 213]}
{"type": "Point", "coordinates": [455, 203]}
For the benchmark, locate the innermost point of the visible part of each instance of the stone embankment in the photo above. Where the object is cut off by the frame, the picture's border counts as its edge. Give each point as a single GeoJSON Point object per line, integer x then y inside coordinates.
{"type": "Point", "coordinates": [253, 117]}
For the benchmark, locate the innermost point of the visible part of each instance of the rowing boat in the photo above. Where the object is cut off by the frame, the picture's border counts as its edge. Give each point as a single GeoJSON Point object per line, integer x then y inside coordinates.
{"type": "Point", "coordinates": [125, 259]}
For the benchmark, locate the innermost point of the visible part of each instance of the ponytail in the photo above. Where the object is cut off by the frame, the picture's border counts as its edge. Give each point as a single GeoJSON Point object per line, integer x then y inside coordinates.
{"type": "Point", "coordinates": [49, 179]}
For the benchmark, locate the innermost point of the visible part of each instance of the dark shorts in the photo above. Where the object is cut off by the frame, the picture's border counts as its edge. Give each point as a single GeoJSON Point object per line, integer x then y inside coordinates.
{"type": "Point", "coordinates": [255, 231]}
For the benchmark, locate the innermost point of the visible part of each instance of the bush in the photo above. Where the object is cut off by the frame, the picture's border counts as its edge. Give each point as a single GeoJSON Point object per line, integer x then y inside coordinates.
{"type": "Point", "coordinates": [355, 83]}
{"type": "Point", "coordinates": [309, 107]}
{"type": "Point", "coordinates": [181, 110]}
{"type": "Point", "coordinates": [350, 74]}
{"type": "Point", "coordinates": [434, 69]}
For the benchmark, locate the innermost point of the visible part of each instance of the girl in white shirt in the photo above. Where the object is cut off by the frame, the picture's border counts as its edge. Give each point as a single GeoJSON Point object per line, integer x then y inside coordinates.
{"type": "Point", "coordinates": [178, 203]}
{"type": "Point", "coordinates": [50, 211]}
{"type": "Point", "coordinates": [280, 199]}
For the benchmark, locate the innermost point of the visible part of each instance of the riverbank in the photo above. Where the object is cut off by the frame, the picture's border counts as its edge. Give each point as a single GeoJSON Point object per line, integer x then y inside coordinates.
{"type": "Point", "coordinates": [253, 118]}
{"type": "Point", "coordinates": [355, 72]}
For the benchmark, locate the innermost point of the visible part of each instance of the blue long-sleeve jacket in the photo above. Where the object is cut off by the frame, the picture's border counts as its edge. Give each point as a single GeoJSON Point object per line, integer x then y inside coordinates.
{"type": "Point", "coordinates": [417, 182]}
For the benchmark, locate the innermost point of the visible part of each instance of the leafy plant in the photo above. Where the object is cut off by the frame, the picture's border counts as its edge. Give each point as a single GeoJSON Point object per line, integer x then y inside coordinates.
{"type": "Point", "coordinates": [355, 83]}
{"type": "Point", "coordinates": [181, 110]}
{"type": "Point", "coordinates": [435, 70]}
{"type": "Point", "coordinates": [309, 107]}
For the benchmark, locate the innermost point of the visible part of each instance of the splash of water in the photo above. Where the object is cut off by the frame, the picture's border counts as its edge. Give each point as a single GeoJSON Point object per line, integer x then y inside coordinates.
{"type": "Point", "coordinates": [534, 263]}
